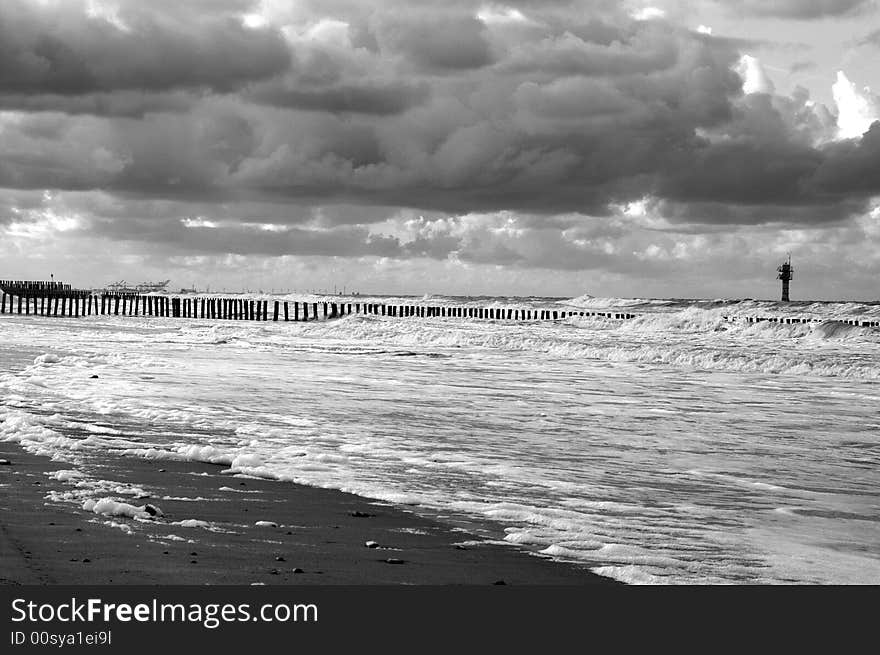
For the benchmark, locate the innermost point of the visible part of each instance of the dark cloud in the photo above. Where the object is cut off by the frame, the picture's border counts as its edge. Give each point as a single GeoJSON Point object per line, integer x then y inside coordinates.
{"type": "Point", "coordinates": [360, 111]}
{"type": "Point", "coordinates": [802, 9]}
{"type": "Point", "coordinates": [852, 168]}
{"type": "Point", "coordinates": [643, 52]}
{"type": "Point", "coordinates": [125, 103]}
{"type": "Point", "coordinates": [379, 98]}
{"type": "Point", "coordinates": [435, 42]}
{"type": "Point", "coordinates": [872, 38]}
{"type": "Point", "coordinates": [248, 238]}
{"type": "Point", "coordinates": [58, 49]}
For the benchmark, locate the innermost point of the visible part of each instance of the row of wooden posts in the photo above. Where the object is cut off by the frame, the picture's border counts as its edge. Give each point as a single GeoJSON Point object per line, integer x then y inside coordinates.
{"type": "Point", "coordinates": [790, 321]}
{"type": "Point", "coordinates": [57, 299]}
{"type": "Point", "coordinates": [30, 288]}
{"type": "Point", "coordinates": [258, 310]}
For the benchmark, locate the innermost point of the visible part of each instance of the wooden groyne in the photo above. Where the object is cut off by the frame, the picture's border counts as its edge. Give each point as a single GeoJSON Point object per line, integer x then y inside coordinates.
{"type": "Point", "coordinates": [247, 309]}
{"type": "Point", "coordinates": [57, 299]}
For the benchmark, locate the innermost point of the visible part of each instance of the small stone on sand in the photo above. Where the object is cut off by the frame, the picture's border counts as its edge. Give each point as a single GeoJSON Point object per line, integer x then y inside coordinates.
{"type": "Point", "coordinates": [372, 544]}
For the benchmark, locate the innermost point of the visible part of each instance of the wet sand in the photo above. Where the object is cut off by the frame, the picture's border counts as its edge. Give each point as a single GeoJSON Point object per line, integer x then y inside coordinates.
{"type": "Point", "coordinates": [316, 536]}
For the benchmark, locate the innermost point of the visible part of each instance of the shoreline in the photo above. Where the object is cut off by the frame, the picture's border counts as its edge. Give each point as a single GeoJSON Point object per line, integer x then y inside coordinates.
{"type": "Point", "coordinates": [258, 532]}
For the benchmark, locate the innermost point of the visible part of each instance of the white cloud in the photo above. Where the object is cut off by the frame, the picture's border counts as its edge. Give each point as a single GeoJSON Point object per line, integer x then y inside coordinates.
{"type": "Point", "coordinates": [108, 12]}
{"type": "Point", "coordinates": [856, 110]}
{"type": "Point", "coordinates": [649, 13]}
{"type": "Point", "coordinates": [499, 14]}
{"type": "Point", "coordinates": [754, 76]}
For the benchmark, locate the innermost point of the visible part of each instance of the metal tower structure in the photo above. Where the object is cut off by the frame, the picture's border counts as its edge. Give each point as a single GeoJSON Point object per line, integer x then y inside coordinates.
{"type": "Point", "coordinates": [786, 273]}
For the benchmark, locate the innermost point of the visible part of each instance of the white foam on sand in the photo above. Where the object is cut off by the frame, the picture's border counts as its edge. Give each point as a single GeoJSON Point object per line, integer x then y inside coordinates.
{"type": "Point", "coordinates": [194, 523]}
{"type": "Point", "coordinates": [111, 507]}
{"type": "Point", "coordinates": [658, 446]}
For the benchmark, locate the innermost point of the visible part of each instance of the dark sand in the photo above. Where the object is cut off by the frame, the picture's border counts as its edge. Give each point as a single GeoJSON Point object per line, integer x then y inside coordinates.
{"type": "Point", "coordinates": [321, 532]}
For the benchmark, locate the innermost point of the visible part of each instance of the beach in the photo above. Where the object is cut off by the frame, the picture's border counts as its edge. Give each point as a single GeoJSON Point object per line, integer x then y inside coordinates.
{"type": "Point", "coordinates": [686, 445]}
{"type": "Point", "coordinates": [305, 536]}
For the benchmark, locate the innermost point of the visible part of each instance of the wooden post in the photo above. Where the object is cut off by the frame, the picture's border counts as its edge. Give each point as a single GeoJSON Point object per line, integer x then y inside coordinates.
{"type": "Point", "coordinates": [275, 315]}
{"type": "Point", "coordinates": [63, 305]}
{"type": "Point", "coordinates": [286, 317]}
{"type": "Point", "coordinates": [265, 310]}
{"type": "Point", "coordinates": [357, 308]}
{"type": "Point", "coordinates": [2, 302]}
{"type": "Point", "coordinates": [325, 310]}
{"type": "Point", "coordinates": [315, 310]}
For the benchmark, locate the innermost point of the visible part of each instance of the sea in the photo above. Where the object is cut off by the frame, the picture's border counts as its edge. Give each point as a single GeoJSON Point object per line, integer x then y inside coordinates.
{"type": "Point", "coordinates": [686, 445]}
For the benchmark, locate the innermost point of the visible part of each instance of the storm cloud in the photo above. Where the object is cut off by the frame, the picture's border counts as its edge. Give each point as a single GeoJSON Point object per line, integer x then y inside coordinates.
{"type": "Point", "coordinates": [323, 128]}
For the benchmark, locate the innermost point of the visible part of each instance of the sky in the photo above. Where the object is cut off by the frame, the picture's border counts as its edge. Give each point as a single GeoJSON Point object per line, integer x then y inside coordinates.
{"type": "Point", "coordinates": [678, 148]}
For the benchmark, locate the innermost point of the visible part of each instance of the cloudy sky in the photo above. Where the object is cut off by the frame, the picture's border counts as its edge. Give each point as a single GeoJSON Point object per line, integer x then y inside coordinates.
{"type": "Point", "coordinates": [554, 147]}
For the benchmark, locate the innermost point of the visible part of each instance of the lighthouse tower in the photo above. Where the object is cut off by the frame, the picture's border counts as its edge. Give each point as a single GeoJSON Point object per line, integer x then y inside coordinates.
{"type": "Point", "coordinates": [786, 272]}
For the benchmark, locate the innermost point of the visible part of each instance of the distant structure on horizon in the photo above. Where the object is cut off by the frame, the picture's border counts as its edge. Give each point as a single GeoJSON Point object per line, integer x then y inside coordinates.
{"type": "Point", "coordinates": [786, 273]}
{"type": "Point", "coordinates": [144, 287]}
